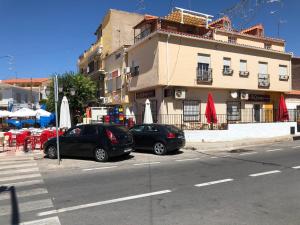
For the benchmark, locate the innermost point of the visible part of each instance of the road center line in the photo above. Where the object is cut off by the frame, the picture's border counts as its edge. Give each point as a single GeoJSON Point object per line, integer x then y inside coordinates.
{"type": "Point", "coordinates": [182, 160]}
{"type": "Point", "coordinates": [248, 153]}
{"type": "Point", "coordinates": [296, 167]}
{"type": "Point", "coordinates": [213, 182]}
{"type": "Point", "coordinates": [274, 150]}
{"type": "Point", "coordinates": [99, 168]}
{"type": "Point", "coordinates": [84, 206]}
{"type": "Point", "coordinates": [264, 173]}
{"type": "Point", "coordinates": [141, 164]}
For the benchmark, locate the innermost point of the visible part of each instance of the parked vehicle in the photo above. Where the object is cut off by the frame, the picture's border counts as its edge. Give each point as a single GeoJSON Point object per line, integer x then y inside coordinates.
{"type": "Point", "coordinates": [158, 137]}
{"type": "Point", "coordinates": [92, 140]}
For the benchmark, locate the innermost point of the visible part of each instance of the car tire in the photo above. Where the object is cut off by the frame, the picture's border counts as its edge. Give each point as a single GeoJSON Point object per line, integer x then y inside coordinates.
{"type": "Point", "coordinates": [51, 152]}
{"type": "Point", "coordinates": [159, 148]}
{"type": "Point", "coordinates": [101, 155]}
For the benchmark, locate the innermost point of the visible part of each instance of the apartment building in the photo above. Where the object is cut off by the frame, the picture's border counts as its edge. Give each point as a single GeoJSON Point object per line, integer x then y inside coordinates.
{"type": "Point", "coordinates": [114, 32]}
{"type": "Point", "coordinates": [178, 59]}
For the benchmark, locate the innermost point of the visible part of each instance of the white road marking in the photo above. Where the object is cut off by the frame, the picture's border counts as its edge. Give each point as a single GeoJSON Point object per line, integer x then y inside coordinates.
{"type": "Point", "coordinates": [248, 153]}
{"type": "Point", "coordinates": [296, 167]}
{"type": "Point", "coordinates": [102, 203]}
{"type": "Point", "coordinates": [264, 173]}
{"type": "Point", "coordinates": [15, 162]}
{"type": "Point", "coordinates": [99, 168]}
{"type": "Point", "coordinates": [5, 172]}
{"type": "Point", "coordinates": [213, 182]}
{"type": "Point", "coordinates": [15, 158]}
{"type": "Point", "coordinates": [47, 221]}
{"type": "Point", "coordinates": [141, 164]}
{"type": "Point", "coordinates": [18, 166]}
{"type": "Point", "coordinates": [19, 177]}
{"type": "Point", "coordinates": [24, 183]}
{"type": "Point", "coordinates": [298, 146]}
{"type": "Point", "coordinates": [182, 160]}
{"type": "Point", "coordinates": [226, 156]}
{"type": "Point", "coordinates": [213, 157]}
{"type": "Point", "coordinates": [27, 206]}
{"type": "Point", "coordinates": [20, 194]}
{"type": "Point", "coordinates": [274, 150]}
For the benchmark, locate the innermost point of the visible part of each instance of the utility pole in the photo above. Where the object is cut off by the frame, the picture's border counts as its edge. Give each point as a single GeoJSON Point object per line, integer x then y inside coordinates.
{"type": "Point", "coordinates": [56, 116]}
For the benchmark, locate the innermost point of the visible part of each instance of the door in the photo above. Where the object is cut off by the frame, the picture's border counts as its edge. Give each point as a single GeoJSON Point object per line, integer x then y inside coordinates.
{"type": "Point", "coordinates": [70, 141]}
{"type": "Point", "coordinates": [268, 113]}
{"type": "Point", "coordinates": [150, 136]}
{"type": "Point", "coordinates": [137, 132]}
{"type": "Point", "coordinates": [88, 141]}
{"type": "Point", "coordinates": [256, 109]}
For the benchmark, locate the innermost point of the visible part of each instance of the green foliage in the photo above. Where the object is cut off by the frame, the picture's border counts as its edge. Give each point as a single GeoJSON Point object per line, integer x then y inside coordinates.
{"type": "Point", "coordinates": [85, 92]}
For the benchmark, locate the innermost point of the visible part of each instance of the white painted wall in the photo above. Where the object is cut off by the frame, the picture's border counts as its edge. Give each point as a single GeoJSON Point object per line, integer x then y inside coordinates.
{"type": "Point", "coordinates": [241, 131]}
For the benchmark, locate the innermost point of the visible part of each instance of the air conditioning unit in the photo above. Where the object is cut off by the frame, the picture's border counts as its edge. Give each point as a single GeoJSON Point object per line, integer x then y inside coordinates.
{"type": "Point", "coordinates": [234, 94]}
{"type": "Point", "coordinates": [263, 83]}
{"type": "Point", "coordinates": [283, 77]}
{"type": "Point", "coordinates": [179, 94]}
{"type": "Point", "coordinates": [126, 70]}
{"type": "Point", "coordinates": [104, 100]}
{"type": "Point", "coordinates": [244, 95]}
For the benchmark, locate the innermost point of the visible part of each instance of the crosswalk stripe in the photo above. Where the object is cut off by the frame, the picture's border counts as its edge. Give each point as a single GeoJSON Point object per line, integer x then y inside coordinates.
{"type": "Point", "coordinates": [17, 162]}
{"type": "Point", "coordinates": [18, 171]}
{"type": "Point", "coordinates": [27, 206]}
{"type": "Point", "coordinates": [46, 221]}
{"type": "Point", "coordinates": [20, 194]}
{"type": "Point", "coordinates": [18, 166]}
{"type": "Point", "coordinates": [10, 158]}
{"type": "Point", "coordinates": [19, 177]}
{"type": "Point", "coordinates": [24, 183]}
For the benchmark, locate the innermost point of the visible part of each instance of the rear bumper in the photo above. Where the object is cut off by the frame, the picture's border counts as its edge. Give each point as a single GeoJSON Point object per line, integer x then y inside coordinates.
{"type": "Point", "coordinates": [120, 150]}
{"type": "Point", "coordinates": [175, 144]}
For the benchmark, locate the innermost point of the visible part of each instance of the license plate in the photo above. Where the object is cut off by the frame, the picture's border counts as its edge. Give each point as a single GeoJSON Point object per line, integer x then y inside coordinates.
{"type": "Point", "coordinates": [128, 150]}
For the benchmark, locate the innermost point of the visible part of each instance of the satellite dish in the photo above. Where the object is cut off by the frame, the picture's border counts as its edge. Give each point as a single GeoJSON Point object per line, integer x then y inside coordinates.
{"type": "Point", "coordinates": [234, 94]}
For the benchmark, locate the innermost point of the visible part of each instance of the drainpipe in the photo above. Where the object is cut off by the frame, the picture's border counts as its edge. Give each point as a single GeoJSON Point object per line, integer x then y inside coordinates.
{"type": "Point", "coordinates": [167, 62]}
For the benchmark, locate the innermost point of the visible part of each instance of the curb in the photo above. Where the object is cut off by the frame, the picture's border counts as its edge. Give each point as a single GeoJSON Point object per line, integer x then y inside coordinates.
{"type": "Point", "coordinates": [227, 146]}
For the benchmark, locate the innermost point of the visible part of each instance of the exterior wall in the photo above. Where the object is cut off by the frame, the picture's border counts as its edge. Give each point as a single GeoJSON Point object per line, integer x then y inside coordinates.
{"type": "Point", "coordinates": [146, 57]}
{"type": "Point", "coordinates": [296, 73]}
{"type": "Point", "coordinates": [111, 63]}
{"type": "Point", "coordinates": [182, 58]}
{"type": "Point", "coordinates": [240, 132]}
{"type": "Point", "coordinates": [117, 29]}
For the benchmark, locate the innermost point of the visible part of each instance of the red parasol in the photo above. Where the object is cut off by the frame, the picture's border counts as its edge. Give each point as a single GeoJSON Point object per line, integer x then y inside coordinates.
{"type": "Point", "coordinates": [210, 111]}
{"type": "Point", "coordinates": [282, 114]}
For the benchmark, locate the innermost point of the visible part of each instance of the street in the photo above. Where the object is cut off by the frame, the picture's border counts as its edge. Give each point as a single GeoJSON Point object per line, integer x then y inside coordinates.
{"type": "Point", "coordinates": [255, 185]}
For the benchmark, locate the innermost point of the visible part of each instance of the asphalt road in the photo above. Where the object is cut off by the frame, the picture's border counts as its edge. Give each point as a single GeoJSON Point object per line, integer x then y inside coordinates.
{"type": "Point", "coordinates": [258, 185]}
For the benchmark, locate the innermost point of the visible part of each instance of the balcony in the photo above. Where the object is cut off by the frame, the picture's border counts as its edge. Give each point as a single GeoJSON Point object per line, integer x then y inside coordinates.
{"type": "Point", "coordinates": [244, 73]}
{"type": "Point", "coordinates": [227, 72]}
{"type": "Point", "coordinates": [204, 76]}
{"type": "Point", "coordinates": [142, 35]}
{"type": "Point", "coordinates": [263, 80]}
{"type": "Point", "coordinates": [284, 77]}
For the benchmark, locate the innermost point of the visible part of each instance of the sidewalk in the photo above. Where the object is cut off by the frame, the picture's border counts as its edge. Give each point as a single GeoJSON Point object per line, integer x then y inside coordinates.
{"type": "Point", "coordinates": [230, 145]}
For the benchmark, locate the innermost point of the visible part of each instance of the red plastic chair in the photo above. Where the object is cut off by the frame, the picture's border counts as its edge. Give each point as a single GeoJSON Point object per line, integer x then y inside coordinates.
{"type": "Point", "coordinates": [9, 134]}
{"type": "Point", "coordinates": [20, 140]}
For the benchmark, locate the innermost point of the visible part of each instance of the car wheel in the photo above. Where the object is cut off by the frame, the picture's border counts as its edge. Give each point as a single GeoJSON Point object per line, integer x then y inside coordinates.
{"type": "Point", "coordinates": [159, 148]}
{"type": "Point", "coordinates": [101, 155]}
{"type": "Point", "coordinates": [52, 152]}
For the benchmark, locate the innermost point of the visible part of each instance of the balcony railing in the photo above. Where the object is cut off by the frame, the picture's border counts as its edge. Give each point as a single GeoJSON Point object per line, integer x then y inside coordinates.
{"type": "Point", "coordinates": [228, 72]}
{"type": "Point", "coordinates": [284, 77]}
{"type": "Point", "coordinates": [244, 73]}
{"type": "Point", "coordinates": [142, 35]}
{"type": "Point", "coordinates": [263, 80]}
{"type": "Point", "coordinates": [204, 76]}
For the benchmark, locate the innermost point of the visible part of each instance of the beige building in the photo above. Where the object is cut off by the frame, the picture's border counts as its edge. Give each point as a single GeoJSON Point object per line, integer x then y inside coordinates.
{"type": "Point", "coordinates": [114, 32]}
{"type": "Point", "coordinates": [177, 60]}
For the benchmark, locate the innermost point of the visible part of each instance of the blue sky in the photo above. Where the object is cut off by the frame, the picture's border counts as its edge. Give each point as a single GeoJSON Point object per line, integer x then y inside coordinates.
{"type": "Point", "coordinates": [47, 36]}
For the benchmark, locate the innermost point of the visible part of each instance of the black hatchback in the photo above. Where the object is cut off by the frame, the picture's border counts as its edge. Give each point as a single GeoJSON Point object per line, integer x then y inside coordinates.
{"type": "Point", "coordinates": [99, 141]}
{"type": "Point", "coordinates": [158, 138]}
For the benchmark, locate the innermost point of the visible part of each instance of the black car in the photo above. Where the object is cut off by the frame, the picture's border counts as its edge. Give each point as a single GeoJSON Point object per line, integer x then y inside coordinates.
{"type": "Point", "coordinates": [158, 137]}
{"type": "Point", "coordinates": [92, 140]}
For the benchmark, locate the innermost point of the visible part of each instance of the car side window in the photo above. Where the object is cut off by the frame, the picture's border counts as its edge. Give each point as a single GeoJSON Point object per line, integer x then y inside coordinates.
{"type": "Point", "coordinates": [76, 132]}
{"type": "Point", "coordinates": [89, 131]}
{"type": "Point", "coordinates": [151, 128]}
{"type": "Point", "coordinates": [138, 128]}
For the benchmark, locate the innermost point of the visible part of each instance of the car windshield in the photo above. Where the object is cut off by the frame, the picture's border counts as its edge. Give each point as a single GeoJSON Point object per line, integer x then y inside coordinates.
{"type": "Point", "coordinates": [173, 128]}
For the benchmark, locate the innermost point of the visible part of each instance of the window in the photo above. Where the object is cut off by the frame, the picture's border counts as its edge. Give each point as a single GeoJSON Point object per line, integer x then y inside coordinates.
{"type": "Point", "coordinates": [243, 65]}
{"type": "Point", "coordinates": [191, 110]}
{"type": "Point", "coordinates": [18, 98]}
{"type": "Point", "coordinates": [283, 70]}
{"type": "Point", "coordinates": [232, 39]}
{"type": "Point", "coordinates": [118, 82]}
{"type": "Point", "coordinates": [203, 68]}
{"type": "Point", "coordinates": [118, 55]}
{"type": "Point", "coordinates": [226, 64]}
{"type": "Point", "coordinates": [89, 131]}
{"type": "Point", "coordinates": [234, 111]}
{"type": "Point", "coordinates": [151, 128]}
{"type": "Point", "coordinates": [75, 132]}
{"type": "Point", "coordinates": [267, 46]}
{"type": "Point", "coordinates": [91, 67]}
{"type": "Point", "coordinates": [109, 85]}
{"type": "Point", "coordinates": [138, 128]}
{"type": "Point", "coordinates": [26, 98]}
{"type": "Point", "coordinates": [263, 67]}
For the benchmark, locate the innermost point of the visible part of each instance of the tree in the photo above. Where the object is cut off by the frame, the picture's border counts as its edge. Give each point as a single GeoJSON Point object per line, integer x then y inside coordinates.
{"type": "Point", "coordinates": [85, 92]}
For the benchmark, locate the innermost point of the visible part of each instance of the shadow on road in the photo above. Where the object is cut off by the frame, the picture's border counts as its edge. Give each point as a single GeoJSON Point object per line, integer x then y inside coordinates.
{"type": "Point", "coordinates": [15, 216]}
